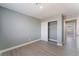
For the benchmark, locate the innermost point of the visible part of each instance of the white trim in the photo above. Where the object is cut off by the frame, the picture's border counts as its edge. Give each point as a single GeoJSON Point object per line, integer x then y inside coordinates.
{"type": "Point", "coordinates": [68, 19]}
{"type": "Point", "coordinates": [59, 44]}
{"type": "Point", "coordinates": [52, 21]}
{"type": "Point", "coordinates": [53, 40]}
{"type": "Point", "coordinates": [8, 49]}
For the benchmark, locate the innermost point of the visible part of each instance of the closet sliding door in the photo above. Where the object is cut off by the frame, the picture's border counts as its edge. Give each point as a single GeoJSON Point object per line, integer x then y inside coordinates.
{"type": "Point", "coordinates": [52, 31]}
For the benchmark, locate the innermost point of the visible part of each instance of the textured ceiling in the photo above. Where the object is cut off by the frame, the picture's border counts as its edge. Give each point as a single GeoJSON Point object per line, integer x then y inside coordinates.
{"type": "Point", "coordinates": [48, 10]}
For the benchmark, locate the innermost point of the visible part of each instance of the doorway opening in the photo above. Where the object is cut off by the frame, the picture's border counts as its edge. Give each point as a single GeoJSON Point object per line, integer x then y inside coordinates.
{"type": "Point", "coordinates": [70, 34]}
{"type": "Point", "coordinates": [52, 31]}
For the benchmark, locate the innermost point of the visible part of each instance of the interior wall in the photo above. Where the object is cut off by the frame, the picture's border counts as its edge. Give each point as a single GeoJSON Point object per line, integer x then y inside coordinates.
{"type": "Point", "coordinates": [16, 28]}
{"type": "Point", "coordinates": [44, 29]}
{"type": "Point", "coordinates": [77, 33]}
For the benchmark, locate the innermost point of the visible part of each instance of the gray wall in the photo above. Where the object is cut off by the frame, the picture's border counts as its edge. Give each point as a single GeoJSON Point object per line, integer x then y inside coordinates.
{"type": "Point", "coordinates": [16, 28]}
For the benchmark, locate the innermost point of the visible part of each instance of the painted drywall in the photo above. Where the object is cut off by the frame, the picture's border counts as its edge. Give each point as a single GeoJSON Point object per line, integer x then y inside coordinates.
{"type": "Point", "coordinates": [77, 33]}
{"type": "Point", "coordinates": [44, 31]}
{"type": "Point", "coordinates": [16, 28]}
{"type": "Point", "coordinates": [44, 28]}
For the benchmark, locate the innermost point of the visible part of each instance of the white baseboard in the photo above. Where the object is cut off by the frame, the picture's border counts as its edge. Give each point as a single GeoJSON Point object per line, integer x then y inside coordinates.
{"type": "Point", "coordinates": [8, 49]}
{"type": "Point", "coordinates": [53, 40]}
{"type": "Point", "coordinates": [59, 44]}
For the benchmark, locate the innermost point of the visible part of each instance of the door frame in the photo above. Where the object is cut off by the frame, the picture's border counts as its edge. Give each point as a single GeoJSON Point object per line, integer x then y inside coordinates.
{"type": "Point", "coordinates": [71, 19]}
{"type": "Point", "coordinates": [48, 30]}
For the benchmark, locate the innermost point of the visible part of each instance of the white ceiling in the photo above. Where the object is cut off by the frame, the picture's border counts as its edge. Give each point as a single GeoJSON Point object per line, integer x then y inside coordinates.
{"type": "Point", "coordinates": [48, 10]}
